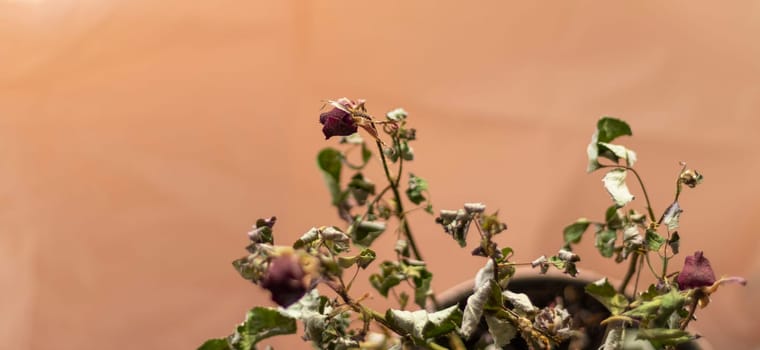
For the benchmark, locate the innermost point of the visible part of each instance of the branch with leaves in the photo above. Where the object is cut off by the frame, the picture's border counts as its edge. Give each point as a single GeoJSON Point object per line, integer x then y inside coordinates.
{"type": "Point", "coordinates": [327, 255]}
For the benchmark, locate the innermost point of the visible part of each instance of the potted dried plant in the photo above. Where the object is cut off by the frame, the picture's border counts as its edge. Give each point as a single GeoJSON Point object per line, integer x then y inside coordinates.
{"type": "Point", "coordinates": [495, 309]}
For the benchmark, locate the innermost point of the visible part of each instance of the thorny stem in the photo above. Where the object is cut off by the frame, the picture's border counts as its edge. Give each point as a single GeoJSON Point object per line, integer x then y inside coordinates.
{"type": "Point", "coordinates": [399, 205]}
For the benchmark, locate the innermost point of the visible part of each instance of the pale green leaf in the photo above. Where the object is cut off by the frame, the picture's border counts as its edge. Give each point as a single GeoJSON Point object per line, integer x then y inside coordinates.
{"type": "Point", "coordinates": [330, 162]}
{"type": "Point", "coordinates": [423, 325]}
{"type": "Point", "coordinates": [476, 303]}
{"type": "Point", "coordinates": [215, 344]}
{"type": "Point", "coordinates": [605, 242]}
{"type": "Point", "coordinates": [605, 293]}
{"type": "Point", "coordinates": [422, 287]}
{"type": "Point", "coordinates": [502, 331]}
{"type": "Point", "coordinates": [664, 336]}
{"type": "Point", "coordinates": [260, 323]}
{"type": "Point", "coordinates": [653, 240]}
{"type": "Point", "coordinates": [574, 231]}
{"type": "Point", "coordinates": [592, 151]}
{"type": "Point", "coordinates": [620, 152]}
{"type": "Point", "coordinates": [520, 301]}
{"type": "Point", "coordinates": [417, 186]}
{"type": "Point", "coordinates": [614, 183]}
{"type": "Point", "coordinates": [672, 215]}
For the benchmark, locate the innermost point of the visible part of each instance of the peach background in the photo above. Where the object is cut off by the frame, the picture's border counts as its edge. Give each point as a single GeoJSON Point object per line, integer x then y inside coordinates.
{"type": "Point", "coordinates": [139, 140]}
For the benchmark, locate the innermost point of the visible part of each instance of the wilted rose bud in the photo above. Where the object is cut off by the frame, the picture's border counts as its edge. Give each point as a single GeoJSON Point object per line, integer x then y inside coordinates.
{"type": "Point", "coordinates": [285, 279]}
{"type": "Point", "coordinates": [691, 178]}
{"type": "Point", "coordinates": [696, 272]}
{"type": "Point", "coordinates": [337, 122]}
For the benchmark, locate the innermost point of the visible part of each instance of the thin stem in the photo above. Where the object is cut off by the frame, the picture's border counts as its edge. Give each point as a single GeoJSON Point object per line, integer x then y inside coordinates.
{"type": "Point", "coordinates": [665, 258]}
{"type": "Point", "coordinates": [400, 163]}
{"type": "Point", "coordinates": [641, 183]}
{"type": "Point", "coordinates": [638, 275]}
{"type": "Point", "coordinates": [399, 206]}
{"type": "Point", "coordinates": [692, 310]}
{"type": "Point", "coordinates": [632, 265]}
{"type": "Point", "coordinates": [351, 282]}
{"type": "Point", "coordinates": [649, 263]}
{"type": "Point", "coordinates": [374, 201]}
{"type": "Point", "coordinates": [629, 273]}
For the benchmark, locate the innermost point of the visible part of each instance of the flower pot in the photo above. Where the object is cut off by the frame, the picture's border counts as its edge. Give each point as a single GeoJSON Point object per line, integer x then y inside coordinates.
{"type": "Point", "coordinates": [544, 290]}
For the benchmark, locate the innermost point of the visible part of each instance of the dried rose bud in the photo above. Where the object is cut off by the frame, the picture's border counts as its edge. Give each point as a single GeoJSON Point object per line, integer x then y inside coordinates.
{"type": "Point", "coordinates": [285, 279]}
{"type": "Point", "coordinates": [696, 272]}
{"type": "Point", "coordinates": [691, 178]}
{"type": "Point", "coordinates": [338, 122]}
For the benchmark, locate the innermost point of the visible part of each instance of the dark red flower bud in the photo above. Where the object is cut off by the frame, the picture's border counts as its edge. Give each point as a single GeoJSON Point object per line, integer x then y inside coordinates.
{"type": "Point", "coordinates": [337, 122]}
{"type": "Point", "coordinates": [696, 272]}
{"type": "Point", "coordinates": [285, 279]}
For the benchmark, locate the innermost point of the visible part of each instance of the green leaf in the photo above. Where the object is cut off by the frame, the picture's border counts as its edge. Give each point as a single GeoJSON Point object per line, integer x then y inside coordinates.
{"type": "Point", "coordinates": [611, 128]}
{"type": "Point", "coordinates": [366, 257]}
{"type": "Point", "coordinates": [605, 242]}
{"type": "Point", "coordinates": [366, 153]}
{"type": "Point", "coordinates": [422, 287]}
{"type": "Point", "coordinates": [574, 231]}
{"type": "Point", "coordinates": [330, 162]}
{"type": "Point", "coordinates": [605, 293]}
{"type": "Point", "coordinates": [617, 152]}
{"type": "Point", "coordinates": [607, 129]}
{"type": "Point", "coordinates": [653, 240]}
{"type": "Point", "coordinates": [660, 337]}
{"type": "Point", "coordinates": [325, 327]}
{"type": "Point", "coordinates": [506, 253]}
{"type": "Point", "coordinates": [614, 183]}
{"type": "Point", "coordinates": [363, 233]}
{"type": "Point", "coordinates": [389, 277]}
{"type": "Point", "coordinates": [407, 153]}
{"type": "Point", "coordinates": [261, 323]}
{"type": "Point", "coordinates": [612, 218]}
{"type": "Point", "coordinates": [215, 344]}
{"type": "Point", "coordinates": [417, 186]}
{"type": "Point", "coordinates": [423, 325]}
{"type": "Point", "coordinates": [248, 269]}
{"type": "Point", "coordinates": [659, 309]}
{"type": "Point", "coordinates": [307, 238]}
{"type": "Point", "coordinates": [488, 294]}
{"type": "Point", "coordinates": [565, 266]}
{"type": "Point", "coordinates": [403, 299]}
{"type": "Point", "coordinates": [491, 225]}
{"type": "Point", "coordinates": [361, 188]}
